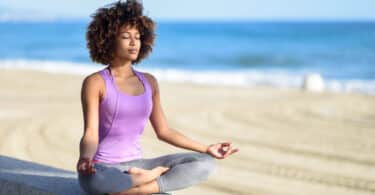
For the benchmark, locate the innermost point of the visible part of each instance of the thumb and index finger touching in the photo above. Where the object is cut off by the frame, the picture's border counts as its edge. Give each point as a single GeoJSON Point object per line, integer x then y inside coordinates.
{"type": "Point", "coordinates": [229, 148]}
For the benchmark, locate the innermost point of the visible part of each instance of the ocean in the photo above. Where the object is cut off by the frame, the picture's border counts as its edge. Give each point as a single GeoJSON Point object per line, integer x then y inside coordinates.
{"type": "Point", "coordinates": [277, 54]}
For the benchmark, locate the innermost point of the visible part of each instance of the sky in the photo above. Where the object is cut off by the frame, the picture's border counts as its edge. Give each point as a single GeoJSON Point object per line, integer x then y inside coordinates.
{"type": "Point", "coordinates": [198, 9]}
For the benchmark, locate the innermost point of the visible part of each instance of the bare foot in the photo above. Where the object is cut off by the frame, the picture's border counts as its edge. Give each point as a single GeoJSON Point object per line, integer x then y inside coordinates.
{"type": "Point", "coordinates": [141, 176]}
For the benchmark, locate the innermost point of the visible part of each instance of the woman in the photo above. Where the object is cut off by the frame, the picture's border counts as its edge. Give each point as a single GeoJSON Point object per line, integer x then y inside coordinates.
{"type": "Point", "coordinates": [118, 100]}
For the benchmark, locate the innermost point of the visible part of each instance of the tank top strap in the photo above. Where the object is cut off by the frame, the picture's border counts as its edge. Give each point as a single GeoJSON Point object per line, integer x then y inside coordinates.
{"type": "Point", "coordinates": [104, 73]}
{"type": "Point", "coordinates": [108, 78]}
{"type": "Point", "coordinates": [143, 79]}
{"type": "Point", "coordinates": [110, 88]}
{"type": "Point", "coordinates": [139, 74]}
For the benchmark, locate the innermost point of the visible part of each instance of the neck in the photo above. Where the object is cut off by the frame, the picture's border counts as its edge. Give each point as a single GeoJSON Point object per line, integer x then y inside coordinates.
{"type": "Point", "coordinates": [121, 69]}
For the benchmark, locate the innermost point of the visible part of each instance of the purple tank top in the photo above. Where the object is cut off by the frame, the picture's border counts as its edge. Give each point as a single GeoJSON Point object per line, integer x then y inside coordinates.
{"type": "Point", "coordinates": [122, 119]}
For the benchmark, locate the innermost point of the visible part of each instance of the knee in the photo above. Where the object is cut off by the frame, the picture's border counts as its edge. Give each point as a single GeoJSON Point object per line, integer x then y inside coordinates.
{"type": "Point", "coordinates": [85, 183]}
{"type": "Point", "coordinates": [207, 164]}
{"type": "Point", "coordinates": [105, 180]}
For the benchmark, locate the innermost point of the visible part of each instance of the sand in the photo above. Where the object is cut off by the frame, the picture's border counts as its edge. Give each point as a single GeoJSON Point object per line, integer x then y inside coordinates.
{"type": "Point", "coordinates": [290, 141]}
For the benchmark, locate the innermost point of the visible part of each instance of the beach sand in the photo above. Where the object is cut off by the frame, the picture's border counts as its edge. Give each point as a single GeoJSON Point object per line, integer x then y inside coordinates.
{"type": "Point", "coordinates": [290, 141]}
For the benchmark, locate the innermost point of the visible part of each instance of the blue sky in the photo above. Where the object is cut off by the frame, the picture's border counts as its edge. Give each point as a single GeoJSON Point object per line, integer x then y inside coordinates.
{"type": "Point", "coordinates": [198, 9]}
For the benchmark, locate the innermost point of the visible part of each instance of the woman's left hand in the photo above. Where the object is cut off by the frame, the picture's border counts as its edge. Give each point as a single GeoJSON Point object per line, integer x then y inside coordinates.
{"type": "Point", "coordinates": [221, 150]}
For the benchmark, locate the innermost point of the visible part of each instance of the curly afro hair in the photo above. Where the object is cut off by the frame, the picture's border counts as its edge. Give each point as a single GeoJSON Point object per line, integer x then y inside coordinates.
{"type": "Point", "coordinates": [106, 22]}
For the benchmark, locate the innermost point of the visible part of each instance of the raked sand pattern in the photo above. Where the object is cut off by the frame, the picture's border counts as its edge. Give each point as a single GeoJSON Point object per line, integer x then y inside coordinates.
{"type": "Point", "coordinates": [291, 142]}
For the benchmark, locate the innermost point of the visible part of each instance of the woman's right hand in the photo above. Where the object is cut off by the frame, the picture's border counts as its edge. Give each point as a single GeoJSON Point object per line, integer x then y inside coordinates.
{"type": "Point", "coordinates": [85, 166]}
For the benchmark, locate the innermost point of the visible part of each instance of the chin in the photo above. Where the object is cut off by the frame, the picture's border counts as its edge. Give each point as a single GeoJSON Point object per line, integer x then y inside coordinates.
{"type": "Point", "coordinates": [133, 59]}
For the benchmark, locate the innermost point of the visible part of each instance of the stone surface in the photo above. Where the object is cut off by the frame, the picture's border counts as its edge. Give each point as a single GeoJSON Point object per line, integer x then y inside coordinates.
{"type": "Point", "coordinates": [25, 177]}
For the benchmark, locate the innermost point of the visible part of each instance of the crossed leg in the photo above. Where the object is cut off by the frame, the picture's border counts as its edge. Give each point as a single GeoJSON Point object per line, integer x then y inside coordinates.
{"type": "Point", "coordinates": [144, 181]}
{"type": "Point", "coordinates": [185, 170]}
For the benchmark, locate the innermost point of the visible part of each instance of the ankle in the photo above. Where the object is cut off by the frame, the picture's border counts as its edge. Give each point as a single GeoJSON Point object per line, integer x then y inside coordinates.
{"type": "Point", "coordinates": [149, 188]}
{"type": "Point", "coordinates": [136, 180]}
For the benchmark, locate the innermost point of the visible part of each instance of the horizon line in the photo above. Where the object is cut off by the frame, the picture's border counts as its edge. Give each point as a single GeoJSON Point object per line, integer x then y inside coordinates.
{"type": "Point", "coordinates": [203, 20]}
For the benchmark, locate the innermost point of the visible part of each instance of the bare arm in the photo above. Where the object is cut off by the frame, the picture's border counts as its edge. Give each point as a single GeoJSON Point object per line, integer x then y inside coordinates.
{"type": "Point", "coordinates": [165, 133]}
{"type": "Point", "coordinates": [90, 107]}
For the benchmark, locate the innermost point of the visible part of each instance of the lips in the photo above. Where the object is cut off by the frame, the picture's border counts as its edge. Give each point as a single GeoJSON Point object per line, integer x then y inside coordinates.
{"type": "Point", "coordinates": [132, 50]}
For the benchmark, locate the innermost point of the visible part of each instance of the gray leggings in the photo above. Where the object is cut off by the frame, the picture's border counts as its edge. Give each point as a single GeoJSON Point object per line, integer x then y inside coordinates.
{"type": "Point", "coordinates": [185, 169]}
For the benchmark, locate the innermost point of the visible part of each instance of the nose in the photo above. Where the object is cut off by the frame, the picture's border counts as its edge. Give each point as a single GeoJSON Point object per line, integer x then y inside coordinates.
{"type": "Point", "coordinates": [132, 41]}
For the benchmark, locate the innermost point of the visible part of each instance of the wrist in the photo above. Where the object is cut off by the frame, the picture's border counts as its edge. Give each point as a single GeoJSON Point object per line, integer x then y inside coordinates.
{"type": "Point", "coordinates": [84, 159]}
{"type": "Point", "coordinates": [206, 148]}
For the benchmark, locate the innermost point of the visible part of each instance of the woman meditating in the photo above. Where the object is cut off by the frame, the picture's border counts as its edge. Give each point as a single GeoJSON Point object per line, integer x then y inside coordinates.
{"type": "Point", "coordinates": [117, 102]}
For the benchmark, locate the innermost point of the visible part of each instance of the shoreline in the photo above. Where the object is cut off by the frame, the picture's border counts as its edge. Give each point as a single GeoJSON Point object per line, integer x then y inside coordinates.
{"type": "Point", "coordinates": [230, 78]}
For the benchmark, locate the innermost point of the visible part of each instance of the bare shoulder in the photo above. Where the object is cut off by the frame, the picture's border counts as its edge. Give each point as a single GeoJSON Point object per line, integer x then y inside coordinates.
{"type": "Point", "coordinates": [93, 79]}
{"type": "Point", "coordinates": [152, 80]}
{"type": "Point", "coordinates": [94, 82]}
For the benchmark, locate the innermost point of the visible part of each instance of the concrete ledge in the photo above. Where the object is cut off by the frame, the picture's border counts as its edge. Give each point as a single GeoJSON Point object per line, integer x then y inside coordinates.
{"type": "Point", "coordinates": [19, 177]}
{"type": "Point", "coordinates": [25, 177]}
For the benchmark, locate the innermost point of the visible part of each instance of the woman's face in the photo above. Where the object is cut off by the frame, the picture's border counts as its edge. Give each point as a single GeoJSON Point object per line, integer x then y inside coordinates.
{"type": "Point", "coordinates": [128, 43]}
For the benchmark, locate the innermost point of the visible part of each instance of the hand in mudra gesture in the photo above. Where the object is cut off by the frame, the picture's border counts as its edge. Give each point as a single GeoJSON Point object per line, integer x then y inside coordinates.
{"type": "Point", "coordinates": [85, 166]}
{"type": "Point", "coordinates": [221, 150]}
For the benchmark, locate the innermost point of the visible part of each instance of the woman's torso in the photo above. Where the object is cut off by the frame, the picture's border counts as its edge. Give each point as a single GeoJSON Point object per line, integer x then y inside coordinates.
{"type": "Point", "coordinates": [122, 118]}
